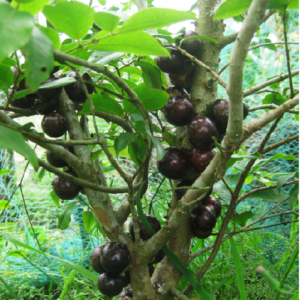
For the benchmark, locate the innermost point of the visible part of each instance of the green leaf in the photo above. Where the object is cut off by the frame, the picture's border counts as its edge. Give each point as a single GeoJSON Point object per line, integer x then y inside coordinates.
{"type": "Point", "coordinates": [294, 195]}
{"type": "Point", "coordinates": [54, 198]}
{"type": "Point", "coordinates": [21, 94]}
{"type": "Point", "coordinates": [73, 18]}
{"type": "Point", "coordinates": [220, 189]}
{"type": "Point", "coordinates": [41, 174]}
{"type": "Point", "coordinates": [57, 83]}
{"type": "Point", "coordinates": [104, 104]}
{"type": "Point", "coordinates": [15, 29]}
{"type": "Point", "coordinates": [154, 17]}
{"type": "Point", "coordinates": [106, 20]}
{"type": "Point", "coordinates": [102, 2]}
{"type": "Point", "coordinates": [123, 153]}
{"type": "Point", "coordinates": [273, 98]}
{"type": "Point", "coordinates": [231, 8]}
{"type": "Point", "coordinates": [171, 256]}
{"type": "Point", "coordinates": [4, 172]}
{"type": "Point", "coordinates": [138, 42]}
{"type": "Point", "coordinates": [87, 274]}
{"type": "Point", "coordinates": [6, 77]}
{"type": "Point", "coordinates": [278, 4]}
{"type": "Point", "coordinates": [122, 141]}
{"type": "Point", "coordinates": [32, 7]}
{"type": "Point", "coordinates": [243, 217]}
{"type": "Point", "coordinates": [51, 34]}
{"type": "Point", "coordinates": [270, 195]}
{"type": "Point", "coordinates": [17, 253]}
{"type": "Point", "coordinates": [12, 140]}
{"type": "Point", "coordinates": [153, 99]}
{"type": "Point", "coordinates": [137, 150]}
{"type": "Point", "coordinates": [282, 180]}
{"type": "Point", "coordinates": [88, 220]}
{"type": "Point", "coordinates": [294, 4]}
{"type": "Point", "coordinates": [238, 269]}
{"type": "Point", "coordinates": [3, 204]}
{"type": "Point", "coordinates": [169, 137]}
{"type": "Point", "coordinates": [151, 74]}
{"type": "Point", "coordinates": [274, 284]}
{"type": "Point", "coordinates": [159, 148]}
{"type": "Point", "coordinates": [64, 217]}
{"type": "Point", "coordinates": [199, 37]}
{"type": "Point", "coordinates": [39, 59]}
{"type": "Point", "coordinates": [7, 227]}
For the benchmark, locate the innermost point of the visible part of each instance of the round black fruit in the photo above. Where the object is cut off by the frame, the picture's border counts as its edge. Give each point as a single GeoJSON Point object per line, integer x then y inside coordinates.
{"type": "Point", "coordinates": [95, 259]}
{"type": "Point", "coordinates": [200, 159]}
{"type": "Point", "coordinates": [64, 189]}
{"type": "Point", "coordinates": [203, 218]}
{"type": "Point", "coordinates": [115, 257]}
{"type": "Point", "coordinates": [125, 277]}
{"type": "Point", "coordinates": [179, 109]}
{"type": "Point", "coordinates": [24, 102]}
{"type": "Point", "coordinates": [54, 124]}
{"type": "Point", "coordinates": [127, 292]}
{"type": "Point", "coordinates": [49, 94]}
{"type": "Point", "coordinates": [143, 232]}
{"type": "Point", "coordinates": [109, 284]}
{"type": "Point", "coordinates": [181, 192]}
{"type": "Point", "coordinates": [200, 132]}
{"type": "Point", "coordinates": [55, 160]}
{"type": "Point", "coordinates": [183, 80]}
{"type": "Point", "coordinates": [200, 234]}
{"type": "Point", "coordinates": [176, 64]}
{"type": "Point", "coordinates": [75, 91]}
{"type": "Point", "coordinates": [45, 108]}
{"type": "Point", "coordinates": [193, 47]}
{"type": "Point", "coordinates": [213, 203]}
{"type": "Point", "coordinates": [174, 164]}
{"type": "Point", "coordinates": [220, 112]}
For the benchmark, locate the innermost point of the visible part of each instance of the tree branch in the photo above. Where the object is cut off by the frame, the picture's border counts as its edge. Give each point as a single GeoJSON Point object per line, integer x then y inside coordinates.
{"type": "Point", "coordinates": [271, 106]}
{"type": "Point", "coordinates": [276, 145]}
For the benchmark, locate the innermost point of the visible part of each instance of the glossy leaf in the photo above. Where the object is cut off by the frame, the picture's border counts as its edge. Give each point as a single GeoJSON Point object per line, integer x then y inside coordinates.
{"type": "Point", "coordinates": [294, 4]}
{"type": "Point", "coordinates": [199, 37]}
{"type": "Point", "coordinates": [231, 8]}
{"type": "Point", "coordinates": [270, 195]}
{"type": "Point", "coordinates": [122, 141]}
{"type": "Point", "coordinates": [4, 204]}
{"type": "Point", "coordinates": [159, 148]}
{"type": "Point", "coordinates": [154, 17]}
{"type": "Point", "coordinates": [153, 99]}
{"type": "Point", "coordinates": [15, 29]}
{"type": "Point", "coordinates": [238, 269]}
{"type": "Point", "coordinates": [243, 217]}
{"type": "Point", "coordinates": [6, 77]}
{"type": "Point", "coordinates": [13, 140]}
{"type": "Point", "coordinates": [88, 220]}
{"type": "Point", "coordinates": [294, 195]}
{"type": "Point", "coordinates": [51, 34]}
{"type": "Point", "coordinates": [73, 18]}
{"type": "Point", "coordinates": [137, 42]}
{"type": "Point", "coordinates": [4, 172]}
{"type": "Point", "coordinates": [32, 7]}
{"type": "Point", "coordinates": [54, 198]}
{"type": "Point", "coordinates": [151, 74]}
{"type": "Point", "coordinates": [57, 83]}
{"type": "Point", "coordinates": [278, 4]}
{"type": "Point", "coordinates": [39, 59]}
{"type": "Point", "coordinates": [104, 104]}
{"type": "Point", "coordinates": [64, 216]}
{"type": "Point", "coordinates": [106, 20]}
{"type": "Point", "coordinates": [137, 150]}
{"type": "Point", "coordinates": [282, 180]}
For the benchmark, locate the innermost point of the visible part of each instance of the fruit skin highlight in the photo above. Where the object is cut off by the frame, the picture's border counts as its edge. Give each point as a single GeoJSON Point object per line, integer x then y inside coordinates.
{"type": "Point", "coordinates": [174, 164]}
{"type": "Point", "coordinates": [203, 218]}
{"type": "Point", "coordinates": [200, 159]}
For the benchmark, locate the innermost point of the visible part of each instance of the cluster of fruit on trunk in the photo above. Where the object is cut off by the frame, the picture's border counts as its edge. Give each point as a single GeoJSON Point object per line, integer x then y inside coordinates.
{"type": "Point", "coordinates": [188, 164]}
{"type": "Point", "coordinates": [111, 260]}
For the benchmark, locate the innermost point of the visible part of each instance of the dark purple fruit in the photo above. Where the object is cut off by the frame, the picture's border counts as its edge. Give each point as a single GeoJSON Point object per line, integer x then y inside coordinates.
{"type": "Point", "coordinates": [151, 269]}
{"type": "Point", "coordinates": [64, 189]}
{"type": "Point", "coordinates": [24, 102]}
{"type": "Point", "coordinates": [95, 259]}
{"type": "Point", "coordinates": [200, 234]}
{"type": "Point", "coordinates": [179, 110]}
{"type": "Point", "coordinates": [125, 277]}
{"type": "Point", "coordinates": [127, 292]}
{"type": "Point", "coordinates": [143, 232]}
{"type": "Point", "coordinates": [45, 108]}
{"type": "Point", "coordinates": [203, 218]}
{"type": "Point", "coordinates": [109, 284]}
{"type": "Point", "coordinates": [115, 257]}
{"type": "Point", "coordinates": [193, 47]}
{"type": "Point", "coordinates": [181, 192]}
{"type": "Point", "coordinates": [75, 91]}
{"type": "Point", "coordinates": [200, 159]}
{"type": "Point", "coordinates": [220, 112]}
{"type": "Point", "coordinates": [200, 132]}
{"type": "Point", "coordinates": [158, 257]}
{"type": "Point", "coordinates": [49, 94]}
{"type": "Point", "coordinates": [214, 203]}
{"type": "Point", "coordinates": [174, 164]}
{"type": "Point", "coordinates": [55, 160]}
{"type": "Point", "coordinates": [176, 64]}
{"type": "Point", "coordinates": [183, 80]}
{"type": "Point", "coordinates": [54, 124]}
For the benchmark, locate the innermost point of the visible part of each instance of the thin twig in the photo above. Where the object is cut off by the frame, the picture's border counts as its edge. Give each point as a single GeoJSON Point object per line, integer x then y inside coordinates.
{"type": "Point", "coordinates": [178, 294]}
{"type": "Point", "coordinates": [151, 202]}
{"type": "Point", "coordinates": [271, 106]}
{"type": "Point", "coordinates": [276, 145]}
